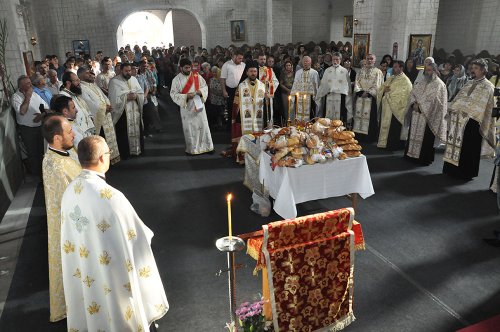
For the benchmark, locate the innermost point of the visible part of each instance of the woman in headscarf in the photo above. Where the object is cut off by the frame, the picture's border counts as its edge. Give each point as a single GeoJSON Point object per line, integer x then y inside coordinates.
{"type": "Point", "coordinates": [456, 82]}
{"type": "Point", "coordinates": [410, 70]}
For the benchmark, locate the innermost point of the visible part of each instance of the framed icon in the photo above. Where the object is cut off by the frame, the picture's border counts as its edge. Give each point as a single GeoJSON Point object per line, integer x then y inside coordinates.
{"type": "Point", "coordinates": [419, 49]}
{"type": "Point", "coordinates": [238, 30]}
{"type": "Point", "coordinates": [348, 26]}
{"type": "Point", "coordinates": [81, 46]}
{"type": "Point", "coordinates": [361, 47]}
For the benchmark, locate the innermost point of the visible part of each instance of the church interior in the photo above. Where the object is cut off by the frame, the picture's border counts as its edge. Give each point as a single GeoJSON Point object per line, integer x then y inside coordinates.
{"type": "Point", "coordinates": [421, 263]}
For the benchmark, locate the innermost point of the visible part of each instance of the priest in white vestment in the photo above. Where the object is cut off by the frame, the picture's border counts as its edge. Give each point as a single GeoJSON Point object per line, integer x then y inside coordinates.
{"type": "Point", "coordinates": [471, 131]}
{"type": "Point", "coordinates": [110, 276]}
{"type": "Point", "coordinates": [73, 89]}
{"type": "Point", "coordinates": [303, 93]}
{"type": "Point", "coordinates": [100, 107]}
{"type": "Point", "coordinates": [335, 85]}
{"type": "Point", "coordinates": [190, 91]}
{"type": "Point", "coordinates": [427, 109]}
{"type": "Point", "coordinates": [366, 88]}
{"type": "Point", "coordinates": [59, 167]}
{"type": "Point", "coordinates": [127, 100]}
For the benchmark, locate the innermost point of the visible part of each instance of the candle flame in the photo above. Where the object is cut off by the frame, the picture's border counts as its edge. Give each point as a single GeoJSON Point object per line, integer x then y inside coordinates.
{"type": "Point", "coordinates": [305, 96]}
{"type": "Point", "coordinates": [229, 197]}
{"type": "Point", "coordinates": [289, 97]}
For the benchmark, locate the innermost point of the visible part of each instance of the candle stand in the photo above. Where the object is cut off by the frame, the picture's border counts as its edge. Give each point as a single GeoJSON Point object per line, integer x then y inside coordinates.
{"type": "Point", "coordinates": [231, 245]}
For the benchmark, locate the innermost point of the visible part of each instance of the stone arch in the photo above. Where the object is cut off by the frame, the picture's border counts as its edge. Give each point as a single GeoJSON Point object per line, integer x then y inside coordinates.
{"type": "Point", "coordinates": [156, 10]}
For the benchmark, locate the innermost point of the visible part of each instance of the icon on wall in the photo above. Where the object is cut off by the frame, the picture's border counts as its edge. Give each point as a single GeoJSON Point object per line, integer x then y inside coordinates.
{"type": "Point", "coordinates": [81, 47]}
{"type": "Point", "coordinates": [420, 47]}
{"type": "Point", "coordinates": [361, 47]}
{"type": "Point", "coordinates": [348, 26]}
{"type": "Point", "coordinates": [238, 30]}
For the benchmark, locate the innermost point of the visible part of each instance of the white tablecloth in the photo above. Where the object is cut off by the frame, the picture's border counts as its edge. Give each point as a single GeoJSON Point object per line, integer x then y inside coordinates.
{"type": "Point", "coordinates": [290, 186]}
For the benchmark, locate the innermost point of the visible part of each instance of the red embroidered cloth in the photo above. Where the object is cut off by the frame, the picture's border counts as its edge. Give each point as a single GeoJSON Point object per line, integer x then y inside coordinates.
{"type": "Point", "coordinates": [254, 244]}
{"type": "Point", "coordinates": [309, 263]}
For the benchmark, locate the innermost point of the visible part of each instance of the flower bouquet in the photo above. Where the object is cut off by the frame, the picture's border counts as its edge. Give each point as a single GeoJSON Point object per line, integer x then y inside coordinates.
{"type": "Point", "coordinates": [251, 317]}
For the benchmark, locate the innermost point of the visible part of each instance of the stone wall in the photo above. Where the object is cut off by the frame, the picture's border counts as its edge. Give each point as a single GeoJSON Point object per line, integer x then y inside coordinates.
{"type": "Point", "coordinates": [311, 21]}
{"type": "Point", "coordinates": [340, 8]}
{"type": "Point", "coordinates": [389, 21]}
{"type": "Point", "coordinates": [469, 26]}
{"type": "Point", "coordinates": [20, 27]}
{"type": "Point", "coordinates": [187, 31]}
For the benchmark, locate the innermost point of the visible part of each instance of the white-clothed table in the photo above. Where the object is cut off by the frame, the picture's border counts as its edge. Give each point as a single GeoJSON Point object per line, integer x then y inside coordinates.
{"type": "Point", "coordinates": [290, 186]}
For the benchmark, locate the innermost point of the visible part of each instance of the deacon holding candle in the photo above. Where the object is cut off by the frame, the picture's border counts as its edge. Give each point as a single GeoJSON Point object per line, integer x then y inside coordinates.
{"type": "Point", "coordinates": [305, 84]}
{"type": "Point", "coordinates": [268, 77]}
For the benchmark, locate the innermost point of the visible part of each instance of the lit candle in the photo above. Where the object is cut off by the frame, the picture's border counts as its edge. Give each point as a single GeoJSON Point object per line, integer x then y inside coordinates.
{"type": "Point", "coordinates": [297, 106]}
{"type": "Point", "coordinates": [289, 108]}
{"type": "Point", "coordinates": [229, 223]}
{"type": "Point", "coordinates": [304, 108]}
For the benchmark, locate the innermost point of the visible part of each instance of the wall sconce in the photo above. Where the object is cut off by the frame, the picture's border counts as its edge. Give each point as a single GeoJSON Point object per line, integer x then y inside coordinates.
{"type": "Point", "coordinates": [33, 41]}
{"type": "Point", "coordinates": [356, 22]}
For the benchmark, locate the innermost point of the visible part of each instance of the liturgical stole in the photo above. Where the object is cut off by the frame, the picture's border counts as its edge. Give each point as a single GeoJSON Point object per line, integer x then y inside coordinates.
{"type": "Point", "coordinates": [193, 78]}
{"type": "Point", "coordinates": [251, 107]}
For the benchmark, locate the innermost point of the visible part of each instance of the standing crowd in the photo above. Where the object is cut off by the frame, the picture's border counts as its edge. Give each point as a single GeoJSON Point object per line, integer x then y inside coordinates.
{"type": "Point", "coordinates": [89, 113]}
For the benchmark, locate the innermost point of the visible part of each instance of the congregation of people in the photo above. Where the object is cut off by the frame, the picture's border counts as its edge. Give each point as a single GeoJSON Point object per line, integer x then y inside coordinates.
{"type": "Point", "coordinates": [77, 119]}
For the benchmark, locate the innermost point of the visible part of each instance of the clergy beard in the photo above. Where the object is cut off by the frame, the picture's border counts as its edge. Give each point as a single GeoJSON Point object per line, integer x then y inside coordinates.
{"type": "Point", "coordinates": [67, 148]}
{"type": "Point", "coordinates": [186, 73]}
{"type": "Point", "coordinates": [127, 76]}
{"type": "Point", "coordinates": [428, 77]}
{"type": "Point", "coordinates": [75, 89]}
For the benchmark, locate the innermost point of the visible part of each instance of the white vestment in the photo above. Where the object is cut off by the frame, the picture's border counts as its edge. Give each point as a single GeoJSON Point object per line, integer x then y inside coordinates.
{"type": "Point", "coordinates": [119, 88]}
{"type": "Point", "coordinates": [84, 116]}
{"type": "Point", "coordinates": [97, 102]}
{"type": "Point", "coordinates": [79, 133]}
{"type": "Point", "coordinates": [110, 276]}
{"type": "Point", "coordinates": [306, 83]}
{"type": "Point", "coordinates": [194, 122]}
{"type": "Point", "coordinates": [369, 80]}
{"type": "Point", "coordinates": [335, 83]}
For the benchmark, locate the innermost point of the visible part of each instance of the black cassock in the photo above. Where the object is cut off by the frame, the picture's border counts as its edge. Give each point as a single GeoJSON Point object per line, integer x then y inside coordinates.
{"type": "Point", "coordinates": [373, 129]}
{"type": "Point", "coordinates": [470, 155]}
{"type": "Point", "coordinates": [394, 141]}
{"type": "Point", "coordinates": [121, 130]}
{"type": "Point", "coordinates": [427, 150]}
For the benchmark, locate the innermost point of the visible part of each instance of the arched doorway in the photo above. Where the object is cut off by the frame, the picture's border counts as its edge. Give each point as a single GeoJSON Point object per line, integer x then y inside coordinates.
{"type": "Point", "coordinates": [157, 28]}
